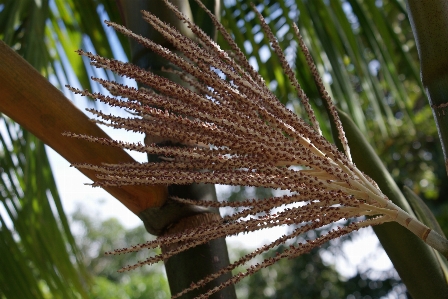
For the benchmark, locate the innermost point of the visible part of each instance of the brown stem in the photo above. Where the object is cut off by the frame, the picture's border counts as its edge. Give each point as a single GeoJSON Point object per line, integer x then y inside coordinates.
{"type": "Point", "coordinates": [30, 100]}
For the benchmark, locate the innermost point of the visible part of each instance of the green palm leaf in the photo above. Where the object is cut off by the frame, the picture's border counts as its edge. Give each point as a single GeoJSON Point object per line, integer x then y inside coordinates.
{"type": "Point", "coordinates": [346, 39]}
{"type": "Point", "coordinates": [36, 243]}
{"type": "Point", "coordinates": [36, 238]}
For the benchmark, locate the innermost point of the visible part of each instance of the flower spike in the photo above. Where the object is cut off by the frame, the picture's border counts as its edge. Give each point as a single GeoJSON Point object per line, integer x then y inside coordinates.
{"type": "Point", "coordinates": [234, 131]}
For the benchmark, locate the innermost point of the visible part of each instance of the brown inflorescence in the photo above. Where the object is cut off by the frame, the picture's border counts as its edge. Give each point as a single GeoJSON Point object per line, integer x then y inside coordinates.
{"type": "Point", "coordinates": [233, 131]}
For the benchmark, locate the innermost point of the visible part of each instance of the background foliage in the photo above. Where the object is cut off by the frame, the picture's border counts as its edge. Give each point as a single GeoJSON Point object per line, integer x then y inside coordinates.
{"type": "Point", "coordinates": [94, 237]}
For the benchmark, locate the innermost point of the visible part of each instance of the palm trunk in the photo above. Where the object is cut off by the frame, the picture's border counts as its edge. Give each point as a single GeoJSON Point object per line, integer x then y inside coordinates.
{"type": "Point", "coordinates": [429, 21]}
{"type": "Point", "coordinates": [201, 261]}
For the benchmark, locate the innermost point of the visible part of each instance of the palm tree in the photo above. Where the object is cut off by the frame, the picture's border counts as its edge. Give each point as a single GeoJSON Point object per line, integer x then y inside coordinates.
{"type": "Point", "coordinates": [328, 28]}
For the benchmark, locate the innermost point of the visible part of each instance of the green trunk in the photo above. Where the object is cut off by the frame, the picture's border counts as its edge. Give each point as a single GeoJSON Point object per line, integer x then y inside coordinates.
{"type": "Point", "coordinates": [429, 21]}
{"type": "Point", "coordinates": [201, 261]}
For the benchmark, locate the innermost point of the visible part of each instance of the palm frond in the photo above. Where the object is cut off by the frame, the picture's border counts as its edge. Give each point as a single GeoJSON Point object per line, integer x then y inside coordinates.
{"type": "Point", "coordinates": [356, 45]}
{"type": "Point", "coordinates": [36, 235]}
{"type": "Point", "coordinates": [37, 244]}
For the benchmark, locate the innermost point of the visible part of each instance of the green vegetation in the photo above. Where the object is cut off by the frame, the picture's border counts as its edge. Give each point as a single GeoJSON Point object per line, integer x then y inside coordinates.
{"type": "Point", "coordinates": [94, 237]}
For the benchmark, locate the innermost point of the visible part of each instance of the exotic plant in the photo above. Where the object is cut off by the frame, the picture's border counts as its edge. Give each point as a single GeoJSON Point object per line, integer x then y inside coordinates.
{"type": "Point", "coordinates": [229, 128]}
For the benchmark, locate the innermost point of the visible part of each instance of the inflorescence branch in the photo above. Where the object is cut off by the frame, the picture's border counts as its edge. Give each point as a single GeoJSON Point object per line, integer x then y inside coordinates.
{"type": "Point", "coordinates": [234, 131]}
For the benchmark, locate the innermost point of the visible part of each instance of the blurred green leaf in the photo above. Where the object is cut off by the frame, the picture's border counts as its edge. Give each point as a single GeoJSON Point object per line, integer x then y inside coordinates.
{"type": "Point", "coordinates": [36, 243]}
{"type": "Point", "coordinates": [37, 238]}
{"type": "Point", "coordinates": [95, 237]}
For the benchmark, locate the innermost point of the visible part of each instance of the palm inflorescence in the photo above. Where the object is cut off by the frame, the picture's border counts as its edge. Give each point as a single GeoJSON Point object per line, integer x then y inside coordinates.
{"type": "Point", "coordinates": [227, 127]}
